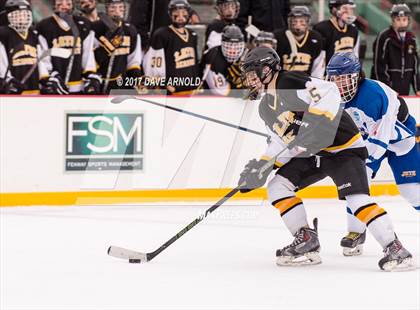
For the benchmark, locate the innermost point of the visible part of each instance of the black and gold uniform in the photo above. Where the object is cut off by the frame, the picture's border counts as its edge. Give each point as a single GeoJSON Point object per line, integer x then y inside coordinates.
{"type": "Point", "coordinates": [222, 76]}
{"type": "Point", "coordinates": [20, 67]}
{"type": "Point", "coordinates": [123, 44]}
{"type": "Point", "coordinates": [221, 67]}
{"type": "Point", "coordinates": [310, 57]}
{"type": "Point", "coordinates": [55, 32]}
{"type": "Point", "coordinates": [338, 39]}
{"type": "Point", "coordinates": [173, 56]}
{"type": "Point", "coordinates": [313, 138]}
{"type": "Point", "coordinates": [300, 107]}
{"type": "Point", "coordinates": [18, 53]}
{"type": "Point", "coordinates": [306, 112]}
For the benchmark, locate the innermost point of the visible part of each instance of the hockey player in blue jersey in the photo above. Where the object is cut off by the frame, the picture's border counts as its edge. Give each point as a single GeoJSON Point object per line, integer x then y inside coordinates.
{"type": "Point", "coordinates": [388, 130]}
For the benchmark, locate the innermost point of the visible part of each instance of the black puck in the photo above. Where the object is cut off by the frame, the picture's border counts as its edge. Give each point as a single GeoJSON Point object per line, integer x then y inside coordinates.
{"type": "Point", "coordinates": [134, 260]}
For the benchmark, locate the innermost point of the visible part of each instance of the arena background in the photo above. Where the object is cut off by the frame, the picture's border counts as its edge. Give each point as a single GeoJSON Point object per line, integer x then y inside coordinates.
{"type": "Point", "coordinates": [373, 14]}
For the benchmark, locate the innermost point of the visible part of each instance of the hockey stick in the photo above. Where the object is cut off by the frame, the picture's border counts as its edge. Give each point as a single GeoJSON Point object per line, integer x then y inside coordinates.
{"type": "Point", "coordinates": [203, 78]}
{"type": "Point", "coordinates": [75, 31]}
{"type": "Point", "coordinates": [120, 99]}
{"type": "Point", "coordinates": [252, 30]}
{"type": "Point", "coordinates": [54, 52]}
{"type": "Point", "coordinates": [140, 257]}
{"type": "Point", "coordinates": [293, 47]}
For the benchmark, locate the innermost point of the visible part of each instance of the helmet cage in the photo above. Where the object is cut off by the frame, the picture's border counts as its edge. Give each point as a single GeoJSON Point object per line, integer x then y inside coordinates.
{"type": "Point", "coordinates": [58, 6]}
{"type": "Point", "coordinates": [232, 50]}
{"type": "Point", "coordinates": [350, 18]}
{"type": "Point", "coordinates": [254, 77]}
{"type": "Point", "coordinates": [20, 20]}
{"type": "Point", "coordinates": [347, 85]}
{"type": "Point", "coordinates": [295, 31]}
{"type": "Point", "coordinates": [222, 7]}
{"type": "Point", "coordinates": [112, 9]}
{"type": "Point", "coordinates": [86, 7]}
{"type": "Point", "coordinates": [179, 5]}
{"type": "Point", "coordinates": [400, 10]}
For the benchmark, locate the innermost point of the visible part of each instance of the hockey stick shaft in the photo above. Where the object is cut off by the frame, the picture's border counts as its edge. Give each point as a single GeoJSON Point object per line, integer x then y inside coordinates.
{"type": "Point", "coordinates": [145, 257]}
{"type": "Point", "coordinates": [112, 27]}
{"type": "Point", "coordinates": [203, 79]}
{"type": "Point", "coordinates": [268, 165]}
{"type": "Point", "coordinates": [55, 51]}
{"type": "Point", "coordinates": [75, 32]}
{"type": "Point", "coordinates": [118, 100]}
{"type": "Point", "coordinates": [153, 254]}
{"type": "Point", "coordinates": [293, 47]}
{"type": "Point", "coordinates": [109, 71]}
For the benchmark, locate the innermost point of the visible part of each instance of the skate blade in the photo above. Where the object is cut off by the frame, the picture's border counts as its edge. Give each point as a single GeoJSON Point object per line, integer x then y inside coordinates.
{"type": "Point", "coordinates": [406, 265]}
{"type": "Point", "coordinates": [311, 258]}
{"type": "Point", "coordinates": [356, 251]}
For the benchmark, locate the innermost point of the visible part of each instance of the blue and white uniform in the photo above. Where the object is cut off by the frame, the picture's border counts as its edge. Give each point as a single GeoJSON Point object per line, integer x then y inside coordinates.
{"type": "Point", "coordinates": [374, 109]}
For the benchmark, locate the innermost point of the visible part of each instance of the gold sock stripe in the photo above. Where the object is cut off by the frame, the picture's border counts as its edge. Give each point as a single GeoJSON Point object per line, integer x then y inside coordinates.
{"type": "Point", "coordinates": [374, 218]}
{"type": "Point", "coordinates": [368, 213]}
{"type": "Point", "coordinates": [286, 204]}
{"type": "Point", "coordinates": [360, 209]}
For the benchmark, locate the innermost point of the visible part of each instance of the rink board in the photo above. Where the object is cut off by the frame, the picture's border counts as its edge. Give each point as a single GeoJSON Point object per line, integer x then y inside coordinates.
{"type": "Point", "coordinates": [85, 150]}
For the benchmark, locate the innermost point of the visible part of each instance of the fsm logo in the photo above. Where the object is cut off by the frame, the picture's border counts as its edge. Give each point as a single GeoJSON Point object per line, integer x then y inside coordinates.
{"type": "Point", "coordinates": [97, 141]}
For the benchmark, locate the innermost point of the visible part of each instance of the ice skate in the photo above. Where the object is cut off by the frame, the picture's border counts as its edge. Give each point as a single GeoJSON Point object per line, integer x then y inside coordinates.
{"type": "Point", "coordinates": [396, 258]}
{"type": "Point", "coordinates": [353, 243]}
{"type": "Point", "coordinates": [304, 250]}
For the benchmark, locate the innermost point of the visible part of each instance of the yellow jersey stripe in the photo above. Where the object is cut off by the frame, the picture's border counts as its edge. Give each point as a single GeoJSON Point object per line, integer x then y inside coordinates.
{"type": "Point", "coordinates": [345, 145]}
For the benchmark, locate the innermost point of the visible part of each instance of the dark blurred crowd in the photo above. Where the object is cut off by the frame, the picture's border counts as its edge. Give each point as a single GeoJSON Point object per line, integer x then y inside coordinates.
{"type": "Point", "coordinates": [149, 46]}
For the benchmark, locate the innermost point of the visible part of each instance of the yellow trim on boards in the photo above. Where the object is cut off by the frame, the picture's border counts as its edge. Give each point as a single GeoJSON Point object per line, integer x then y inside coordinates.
{"type": "Point", "coordinates": [115, 197]}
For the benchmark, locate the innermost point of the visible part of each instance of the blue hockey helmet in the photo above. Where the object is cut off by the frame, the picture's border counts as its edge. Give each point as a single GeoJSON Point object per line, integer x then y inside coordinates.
{"type": "Point", "coordinates": [344, 70]}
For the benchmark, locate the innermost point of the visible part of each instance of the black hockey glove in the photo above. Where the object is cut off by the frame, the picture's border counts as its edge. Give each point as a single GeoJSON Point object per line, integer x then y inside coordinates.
{"type": "Point", "coordinates": [92, 85]}
{"type": "Point", "coordinates": [54, 85]}
{"type": "Point", "coordinates": [14, 86]}
{"type": "Point", "coordinates": [251, 175]}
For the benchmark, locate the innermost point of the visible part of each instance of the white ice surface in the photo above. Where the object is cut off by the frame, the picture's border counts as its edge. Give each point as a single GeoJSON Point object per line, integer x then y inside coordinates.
{"type": "Point", "coordinates": [55, 258]}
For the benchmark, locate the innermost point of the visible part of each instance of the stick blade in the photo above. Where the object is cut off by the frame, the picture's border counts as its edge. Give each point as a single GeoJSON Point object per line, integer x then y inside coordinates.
{"type": "Point", "coordinates": [252, 30]}
{"type": "Point", "coordinates": [121, 98]}
{"type": "Point", "coordinates": [130, 255]}
{"type": "Point", "coordinates": [60, 52]}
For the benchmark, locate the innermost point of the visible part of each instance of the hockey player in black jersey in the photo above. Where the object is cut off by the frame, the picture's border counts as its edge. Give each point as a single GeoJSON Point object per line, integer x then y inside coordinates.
{"type": "Point", "coordinates": [220, 64]}
{"type": "Point", "coordinates": [228, 11]}
{"type": "Point", "coordinates": [339, 32]}
{"type": "Point", "coordinates": [77, 74]}
{"type": "Point", "coordinates": [171, 62]}
{"type": "Point", "coordinates": [304, 114]}
{"type": "Point", "coordinates": [117, 47]}
{"type": "Point", "coordinates": [19, 51]}
{"type": "Point", "coordinates": [299, 48]}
